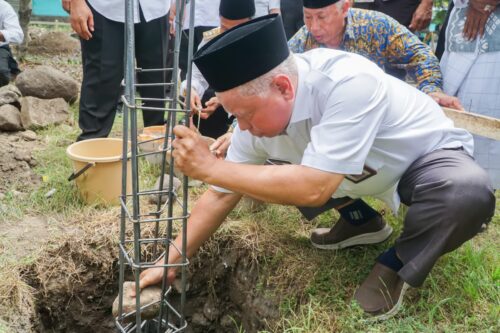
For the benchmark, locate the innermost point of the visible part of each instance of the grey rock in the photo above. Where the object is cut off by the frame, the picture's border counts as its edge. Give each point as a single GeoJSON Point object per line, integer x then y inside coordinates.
{"type": "Point", "coordinates": [47, 83]}
{"type": "Point", "coordinates": [28, 135]}
{"type": "Point", "coordinates": [39, 113]}
{"type": "Point", "coordinates": [148, 295]}
{"type": "Point", "coordinates": [10, 118]}
{"type": "Point", "coordinates": [153, 199]}
{"type": "Point", "coordinates": [9, 94]}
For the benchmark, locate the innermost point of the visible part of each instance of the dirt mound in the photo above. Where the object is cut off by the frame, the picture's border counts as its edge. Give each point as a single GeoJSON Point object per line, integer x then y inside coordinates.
{"type": "Point", "coordinates": [17, 161]}
{"type": "Point", "coordinates": [77, 282]}
{"type": "Point", "coordinates": [52, 43]}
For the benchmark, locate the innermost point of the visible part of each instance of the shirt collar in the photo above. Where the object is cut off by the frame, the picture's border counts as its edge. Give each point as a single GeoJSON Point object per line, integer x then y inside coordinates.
{"type": "Point", "coordinates": [301, 107]}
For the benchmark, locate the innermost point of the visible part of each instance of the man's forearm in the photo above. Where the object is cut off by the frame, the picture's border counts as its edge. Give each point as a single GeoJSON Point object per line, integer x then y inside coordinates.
{"type": "Point", "coordinates": [282, 184]}
{"type": "Point", "coordinates": [207, 215]}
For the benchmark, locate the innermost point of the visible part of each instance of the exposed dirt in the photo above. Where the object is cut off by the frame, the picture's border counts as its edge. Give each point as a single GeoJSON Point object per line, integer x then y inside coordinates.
{"type": "Point", "coordinates": [222, 291]}
{"type": "Point", "coordinates": [17, 161]}
{"type": "Point", "coordinates": [52, 42]}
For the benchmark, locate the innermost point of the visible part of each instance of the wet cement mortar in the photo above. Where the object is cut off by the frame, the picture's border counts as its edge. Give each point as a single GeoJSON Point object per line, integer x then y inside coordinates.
{"type": "Point", "coordinates": [222, 295]}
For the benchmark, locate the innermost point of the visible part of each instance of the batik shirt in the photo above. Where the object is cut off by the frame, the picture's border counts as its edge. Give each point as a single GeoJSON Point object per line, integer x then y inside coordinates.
{"type": "Point", "coordinates": [384, 41]}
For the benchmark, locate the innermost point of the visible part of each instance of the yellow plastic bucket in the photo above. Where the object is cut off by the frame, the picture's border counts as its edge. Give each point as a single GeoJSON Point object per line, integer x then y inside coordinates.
{"type": "Point", "coordinates": [97, 165]}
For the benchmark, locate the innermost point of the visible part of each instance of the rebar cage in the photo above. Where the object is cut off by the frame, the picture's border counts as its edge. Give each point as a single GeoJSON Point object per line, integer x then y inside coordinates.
{"type": "Point", "coordinates": [139, 250]}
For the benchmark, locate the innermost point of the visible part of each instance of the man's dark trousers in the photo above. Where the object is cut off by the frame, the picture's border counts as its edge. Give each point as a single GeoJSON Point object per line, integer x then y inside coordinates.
{"type": "Point", "coordinates": [8, 65]}
{"type": "Point", "coordinates": [103, 68]}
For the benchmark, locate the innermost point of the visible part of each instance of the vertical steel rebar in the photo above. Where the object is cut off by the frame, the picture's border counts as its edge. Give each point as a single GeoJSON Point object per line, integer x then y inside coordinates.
{"type": "Point", "coordinates": [134, 214]}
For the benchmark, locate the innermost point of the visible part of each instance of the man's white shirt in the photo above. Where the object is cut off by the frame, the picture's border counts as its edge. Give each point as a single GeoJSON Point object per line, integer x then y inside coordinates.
{"type": "Point", "coordinates": [263, 7]}
{"type": "Point", "coordinates": [9, 25]}
{"type": "Point", "coordinates": [114, 10]}
{"type": "Point", "coordinates": [348, 114]}
{"type": "Point", "coordinates": [206, 13]}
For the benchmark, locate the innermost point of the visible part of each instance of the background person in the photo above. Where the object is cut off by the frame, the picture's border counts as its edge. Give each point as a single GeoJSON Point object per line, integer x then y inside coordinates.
{"type": "Point", "coordinates": [100, 25]}
{"type": "Point", "coordinates": [471, 70]}
{"type": "Point", "coordinates": [10, 33]}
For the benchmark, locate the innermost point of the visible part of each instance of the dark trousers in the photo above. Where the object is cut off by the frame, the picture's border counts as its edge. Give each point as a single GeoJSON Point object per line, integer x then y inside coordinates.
{"type": "Point", "coordinates": [184, 48]}
{"type": "Point", "coordinates": [103, 68]}
{"type": "Point", "coordinates": [8, 65]}
{"type": "Point", "coordinates": [449, 198]}
{"type": "Point", "coordinates": [400, 10]}
{"type": "Point", "coordinates": [292, 16]}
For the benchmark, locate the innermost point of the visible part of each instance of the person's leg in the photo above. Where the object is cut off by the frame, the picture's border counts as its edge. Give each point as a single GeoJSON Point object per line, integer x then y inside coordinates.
{"type": "Point", "coordinates": [4, 67]}
{"type": "Point", "coordinates": [183, 52]}
{"type": "Point", "coordinates": [449, 198]}
{"type": "Point", "coordinates": [102, 62]}
{"type": "Point", "coordinates": [151, 52]}
{"type": "Point", "coordinates": [291, 13]}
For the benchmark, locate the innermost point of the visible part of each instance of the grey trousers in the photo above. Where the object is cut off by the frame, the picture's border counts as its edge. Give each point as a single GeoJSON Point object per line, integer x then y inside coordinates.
{"type": "Point", "coordinates": [449, 198]}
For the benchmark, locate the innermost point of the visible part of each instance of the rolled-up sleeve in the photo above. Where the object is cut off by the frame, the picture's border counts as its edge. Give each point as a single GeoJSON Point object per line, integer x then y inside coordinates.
{"type": "Point", "coordinates": [341, 141]}
{"type": "Point", "coordinates": [11, 30]}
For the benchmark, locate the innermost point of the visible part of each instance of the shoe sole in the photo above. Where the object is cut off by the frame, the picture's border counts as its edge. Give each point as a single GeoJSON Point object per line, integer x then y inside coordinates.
{"type": "Point", "coordinates": [395, 309]}
{"type": "Point", "coordinates": [363, 239]}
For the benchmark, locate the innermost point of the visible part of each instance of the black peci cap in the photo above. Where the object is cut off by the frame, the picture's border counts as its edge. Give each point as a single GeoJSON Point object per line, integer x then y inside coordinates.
{"type": "Point", "coordinates": [314, 4]}
{"type": "Point", "coordinates": [237, 9]}
{"type": "Point", "coordinates": [243, 53]}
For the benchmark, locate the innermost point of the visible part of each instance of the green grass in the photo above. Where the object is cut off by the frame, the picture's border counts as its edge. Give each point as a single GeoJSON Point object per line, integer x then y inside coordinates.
{"type": "Point", "coordinates": [315, 288]}
{"type": "Point", "coordinates": [462, 294]}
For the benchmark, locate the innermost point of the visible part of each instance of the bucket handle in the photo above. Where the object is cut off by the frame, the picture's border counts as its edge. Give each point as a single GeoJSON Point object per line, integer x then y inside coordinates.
{"type": "Point", "coordinates": [77, 174]}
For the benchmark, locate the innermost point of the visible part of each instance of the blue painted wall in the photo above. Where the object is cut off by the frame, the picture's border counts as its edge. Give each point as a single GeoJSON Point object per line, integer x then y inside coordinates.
{"type": "Point", "coordinates": [48, 8]}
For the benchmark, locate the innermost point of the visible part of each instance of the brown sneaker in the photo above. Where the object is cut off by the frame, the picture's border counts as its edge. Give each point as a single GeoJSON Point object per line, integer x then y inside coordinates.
{"type": "Point", "coordinates": [381, 294]}
{"type": "Point", "coordinates": [344, 234]}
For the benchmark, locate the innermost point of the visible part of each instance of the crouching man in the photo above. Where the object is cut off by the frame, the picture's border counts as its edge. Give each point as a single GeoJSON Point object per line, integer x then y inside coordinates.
{"type": "Point", "coordinates": [347, 129]}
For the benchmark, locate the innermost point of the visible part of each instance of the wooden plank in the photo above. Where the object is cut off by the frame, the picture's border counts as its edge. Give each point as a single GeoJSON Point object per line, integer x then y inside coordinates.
{"type": "Point", "coordinates": [475, 123]}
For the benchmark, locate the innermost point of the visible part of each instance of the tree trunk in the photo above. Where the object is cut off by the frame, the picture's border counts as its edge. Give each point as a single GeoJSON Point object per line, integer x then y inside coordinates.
{"type": "Point", "coordinates": [25, 7]}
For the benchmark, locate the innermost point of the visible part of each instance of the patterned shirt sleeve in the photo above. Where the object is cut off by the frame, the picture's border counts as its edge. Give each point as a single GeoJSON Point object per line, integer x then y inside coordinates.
{"type": "Point", "coordinates": [405, 50]}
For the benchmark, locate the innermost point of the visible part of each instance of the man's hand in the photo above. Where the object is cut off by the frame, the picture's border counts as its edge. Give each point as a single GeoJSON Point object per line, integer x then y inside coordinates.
{"type": "Point", "coordinates": [477, 15]}
{"type": "Point", "coordinates": [66, 4]}
{"type": "Point", "coordinates": [422, 16]}
{"type": "Point", "coordinates": [447, 100]}
{"type": "Point", "coordinates": [221, 145]}
{"type": "Point", "coordinates": [191, 154]}
{"type": "Point", "coordinates": [82, 20]}
{"type": "Point", "coordinates": [195, 102]}
{"type": "Point", "coordinates": [152, 276]}
{"type": "Point", "coordinates": [210, 107]}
